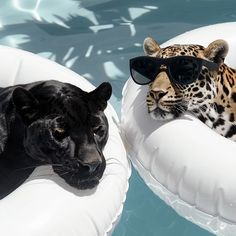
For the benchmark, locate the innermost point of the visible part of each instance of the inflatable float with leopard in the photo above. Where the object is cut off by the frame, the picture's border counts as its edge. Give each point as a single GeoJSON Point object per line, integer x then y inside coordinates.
{"type": "Point", "coordinates": [178, 95]}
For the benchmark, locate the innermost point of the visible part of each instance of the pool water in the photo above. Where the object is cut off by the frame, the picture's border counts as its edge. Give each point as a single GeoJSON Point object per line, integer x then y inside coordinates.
{"type": "Point", "coordinates": [96, 39]}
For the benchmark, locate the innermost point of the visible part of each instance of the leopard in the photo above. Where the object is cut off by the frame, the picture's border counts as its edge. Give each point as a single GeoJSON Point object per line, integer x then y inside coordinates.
{"type": "Point", "coordinates": [211, 97]}
{"type": "Point", "coordinates": [57, 124]}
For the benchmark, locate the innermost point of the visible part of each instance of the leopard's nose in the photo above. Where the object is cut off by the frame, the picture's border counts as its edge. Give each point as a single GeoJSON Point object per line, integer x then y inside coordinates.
{"type": "Point", "coordinates": [157, 95]}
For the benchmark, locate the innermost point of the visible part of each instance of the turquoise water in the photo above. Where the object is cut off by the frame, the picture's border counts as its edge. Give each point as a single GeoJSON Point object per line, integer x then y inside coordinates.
{"type": "Point", "coordinates": [96, 39]}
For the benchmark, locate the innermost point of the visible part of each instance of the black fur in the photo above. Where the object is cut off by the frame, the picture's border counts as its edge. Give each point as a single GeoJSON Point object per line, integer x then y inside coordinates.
{"type": "Point", "coordinates": [54, 123]}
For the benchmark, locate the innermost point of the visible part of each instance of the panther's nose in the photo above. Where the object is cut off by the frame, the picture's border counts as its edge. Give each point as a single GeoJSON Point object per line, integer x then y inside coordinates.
{"type": "Point", "coordinates": [89, 166]}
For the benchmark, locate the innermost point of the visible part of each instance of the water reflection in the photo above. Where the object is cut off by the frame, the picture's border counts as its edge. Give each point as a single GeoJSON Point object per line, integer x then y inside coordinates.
{"type": "Point", "coordinates": [32, 10]}
{"type": "Point", "coordinates": [93, 39]}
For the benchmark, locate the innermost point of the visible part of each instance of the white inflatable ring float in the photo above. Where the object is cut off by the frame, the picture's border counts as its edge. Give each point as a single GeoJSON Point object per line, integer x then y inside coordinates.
{"type": "Point", "coordinates": [189, 166]}
{"type": "Point", "coordinates": [44, 204]}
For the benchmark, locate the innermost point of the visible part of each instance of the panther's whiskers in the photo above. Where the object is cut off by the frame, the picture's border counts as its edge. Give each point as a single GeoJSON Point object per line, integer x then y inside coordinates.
{"type": "Point", "coordinates": [28, 167]}
{"type": "Point", "coordinates": [71, 177]}
{"type": "Point", "coordinates": [35, 166]}
{"type": "Point", "coordinates": [65, 173]}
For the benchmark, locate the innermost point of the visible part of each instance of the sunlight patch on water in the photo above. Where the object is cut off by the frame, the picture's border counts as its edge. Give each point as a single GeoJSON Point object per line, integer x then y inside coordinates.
{"type": "Point", "coordinates": [48, 55]}
{"type": "Point", "coordinates": [34, 11]}
{"type": "Point", "coordinates": [135, 12]}
{"type": "Point", "coordinates": [71, 62]}
{"type": "Point", "coordinates": [57, 21]}
{"type": "Point", "coordinates": [83, 12]}
{"type": "Point", "coordinates": [87, 76]}
{"type": "Point", "coordinates": [97, 28]}
{"type": "Point", "coordinates": [53, 12]}
{"type": "Point", "coordinates": [130, 24]}
{"type": "Point", "coordinates": [138, 45]}
{"type": "Point", "coordinates": [15, 40]}
{"type": "Point", "coordinates": [152, 7]}
{"type": "Point", "coordinates": [68, 54]}
{"type": "Point", "coordinates": [112, 71]}
{"type": "Point", "coordinates": [88, 53]}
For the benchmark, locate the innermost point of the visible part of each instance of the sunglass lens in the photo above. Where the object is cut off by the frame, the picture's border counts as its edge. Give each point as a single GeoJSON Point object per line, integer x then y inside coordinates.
{"type": "Point", "coordinates": [143, 70]}
{"type": "Point", "coordinates": [184, 70]}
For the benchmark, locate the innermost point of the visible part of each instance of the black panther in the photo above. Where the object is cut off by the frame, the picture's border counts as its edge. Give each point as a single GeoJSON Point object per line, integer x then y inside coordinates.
{"type": "Point", "coordinates": [55, 123]}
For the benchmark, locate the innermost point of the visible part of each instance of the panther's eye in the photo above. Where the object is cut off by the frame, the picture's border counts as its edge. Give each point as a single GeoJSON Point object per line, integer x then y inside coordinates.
{"type": "Point", "coordinates": [98, 130]}
{"type": "Point", "coordinates": [59, 133]}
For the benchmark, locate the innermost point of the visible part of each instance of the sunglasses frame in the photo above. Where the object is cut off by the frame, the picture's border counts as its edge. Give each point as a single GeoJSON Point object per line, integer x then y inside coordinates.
{"type": "Point", "coordinates": [166, 62]}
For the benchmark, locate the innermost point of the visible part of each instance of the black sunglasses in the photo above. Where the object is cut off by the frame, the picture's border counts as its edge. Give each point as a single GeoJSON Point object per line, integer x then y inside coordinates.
{"type": "Point", "coordinates": [181, 70]}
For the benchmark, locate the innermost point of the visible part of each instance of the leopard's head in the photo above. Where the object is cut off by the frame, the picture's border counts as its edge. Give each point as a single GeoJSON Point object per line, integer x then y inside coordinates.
{"type": "Point", "coordinates": [167, 99]}
{"type": "Point", "coordinates": [65, 127]}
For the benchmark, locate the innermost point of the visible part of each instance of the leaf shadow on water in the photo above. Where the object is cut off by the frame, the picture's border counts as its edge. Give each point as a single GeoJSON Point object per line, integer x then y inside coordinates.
{"type": "Point", "coordinates": [99, 42]}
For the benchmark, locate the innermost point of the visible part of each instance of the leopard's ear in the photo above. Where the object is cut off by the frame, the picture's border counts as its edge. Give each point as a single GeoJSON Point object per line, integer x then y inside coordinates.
{"type": "Point", "coordinates": [25, 103]}
{"type": "Point", "coordinates": [151, 47]}
{"type": "Point", "coordinates": [217, 51]}
{"type": "Point", "coordinates": [101, 95]}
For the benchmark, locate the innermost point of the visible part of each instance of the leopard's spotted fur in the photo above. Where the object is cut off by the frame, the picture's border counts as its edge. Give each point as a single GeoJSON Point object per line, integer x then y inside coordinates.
{"type": "Point", "coordinates": [212, 97]}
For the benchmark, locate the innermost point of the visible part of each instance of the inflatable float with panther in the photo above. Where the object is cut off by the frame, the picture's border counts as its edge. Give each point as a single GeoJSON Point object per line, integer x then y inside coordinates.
{"type": "Point", "coordinates": [45, 204]}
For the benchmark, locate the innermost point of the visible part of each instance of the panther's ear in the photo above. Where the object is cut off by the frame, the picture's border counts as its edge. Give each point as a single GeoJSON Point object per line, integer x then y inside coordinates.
{"type": "Point", "coordinates": [217, 51]}
{"type": "Point", "coordinates": [151, 47]}
{"type": "Point", "coordinates": [101, 95]}
{"type": "Point", "coordinates": [26, 104]}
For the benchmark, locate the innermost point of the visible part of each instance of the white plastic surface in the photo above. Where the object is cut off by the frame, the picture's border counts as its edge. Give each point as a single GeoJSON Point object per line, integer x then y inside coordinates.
{"type": "Point", "coordinates": [189, 166]}
{"type": "Point", "coordinates": [45, 205]}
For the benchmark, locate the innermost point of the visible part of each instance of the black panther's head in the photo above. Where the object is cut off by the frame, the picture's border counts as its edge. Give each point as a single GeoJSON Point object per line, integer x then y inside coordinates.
{"type": "Point", "coordinates": [66, 127]}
